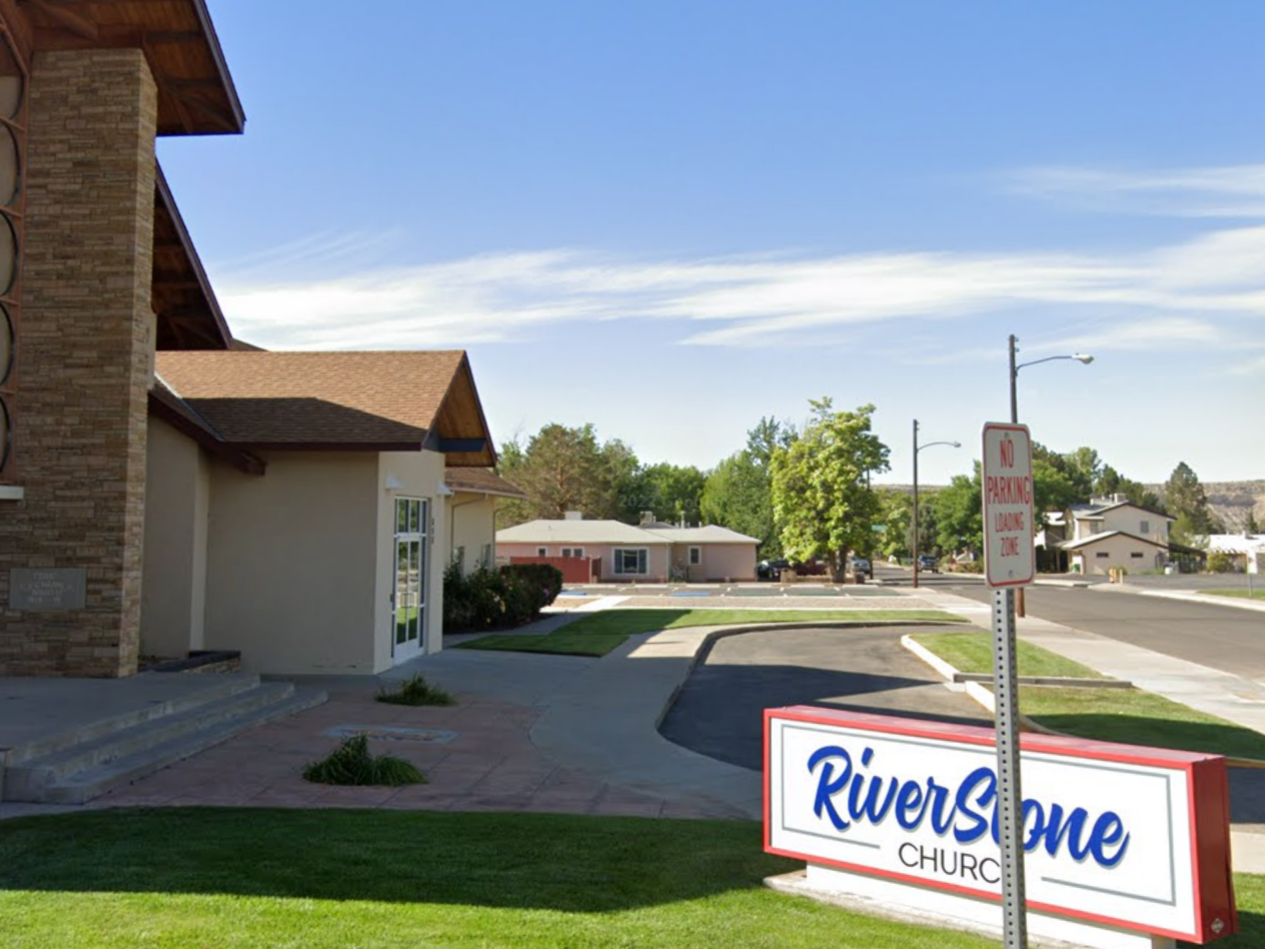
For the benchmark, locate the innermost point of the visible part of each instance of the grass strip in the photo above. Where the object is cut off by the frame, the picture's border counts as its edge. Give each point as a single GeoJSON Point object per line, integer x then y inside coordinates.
{"type": "Point", "coordinates": [599, 633]}
{"type": "Point", "coordinates": [1240, 594]}
{"type": "Point", "coordinates": [1129, 716]}
{"type": "Point", "coordinates": [1135, 717]}
{"type": "Point", "coordinates": [973, 652]}
{"type": "Point", "coordinates": [257, 879]}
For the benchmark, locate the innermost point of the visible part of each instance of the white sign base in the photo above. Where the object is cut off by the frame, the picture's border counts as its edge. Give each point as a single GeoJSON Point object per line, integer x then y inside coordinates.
{"type": "Point", "coordinates": [892, 899]}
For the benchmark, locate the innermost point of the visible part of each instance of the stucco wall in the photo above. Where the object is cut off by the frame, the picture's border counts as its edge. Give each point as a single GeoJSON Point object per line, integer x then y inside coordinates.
{"type": "Point", "coordinates": [290, 577]}
{"type": "Point", "coordinates": [416, 475]}
{"type": "Point", "coordinates": [471, 524]}
{"type": "Point", "coordinates": [1130, 520]}
{"type": "Point", "coordinates": [718, 562]}
{"type": "Point", "coordinates": [173, 590]}
{"type": "Point", "coordinates": [656, 560]}
{"type": "Point", "coordinates": [1119, 551]}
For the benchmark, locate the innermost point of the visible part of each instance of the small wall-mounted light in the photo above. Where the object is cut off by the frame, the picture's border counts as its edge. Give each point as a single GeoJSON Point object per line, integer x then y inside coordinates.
{"type": "Point", "coordinates": [392, 483]}
{"type": "Point", "coordinates": [445, 491]}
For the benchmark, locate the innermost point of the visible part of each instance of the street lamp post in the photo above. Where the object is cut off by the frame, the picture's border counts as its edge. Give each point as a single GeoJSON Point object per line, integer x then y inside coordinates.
{"type": "Point", "coordinates": [918, 448]}
{"type": "Point", "coordinates": [1083, 358]}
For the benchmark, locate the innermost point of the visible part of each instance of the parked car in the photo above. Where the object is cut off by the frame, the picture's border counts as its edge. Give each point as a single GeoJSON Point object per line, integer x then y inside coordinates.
{"type": "Point", "coordinates": [770, 569]}
{"type": "Point", "coordinates": [861, 567]}
{"type": "Point", "coordinates": [929, 563]}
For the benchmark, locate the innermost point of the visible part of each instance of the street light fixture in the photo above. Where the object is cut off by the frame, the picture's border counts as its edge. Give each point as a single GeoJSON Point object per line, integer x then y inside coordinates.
{"type": "Point", "coordinates": [918, 448]}
{"type": "Point", "coordinates": [1082, 358]}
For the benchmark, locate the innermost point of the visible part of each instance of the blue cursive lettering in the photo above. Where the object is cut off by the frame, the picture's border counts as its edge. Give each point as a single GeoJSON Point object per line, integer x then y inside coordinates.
{"type": "Point", "coordinates": [969, 811]}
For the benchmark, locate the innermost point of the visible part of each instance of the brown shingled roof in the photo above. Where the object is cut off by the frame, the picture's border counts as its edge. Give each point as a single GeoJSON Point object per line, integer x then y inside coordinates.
{"type": "Point", "coordinates": [481, 481]}
{"type": "Point", "coordinates": [372, 401]}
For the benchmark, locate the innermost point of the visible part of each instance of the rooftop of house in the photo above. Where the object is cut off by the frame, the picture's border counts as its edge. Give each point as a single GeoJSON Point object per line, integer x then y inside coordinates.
{"type": "Point", "coordinates": [335, 401]}
{"type": "Point", "coordinates": [573, 530]}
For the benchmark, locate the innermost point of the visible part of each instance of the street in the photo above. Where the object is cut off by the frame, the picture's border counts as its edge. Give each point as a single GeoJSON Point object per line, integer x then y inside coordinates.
{"type": "Point", "coordinates": [1222, 637]}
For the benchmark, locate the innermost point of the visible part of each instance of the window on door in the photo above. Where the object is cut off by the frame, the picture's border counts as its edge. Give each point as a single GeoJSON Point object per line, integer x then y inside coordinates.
{"type": "Point", "coordinates": [630, 560]}
{"type": "Point", "coordinates": [411, 524]}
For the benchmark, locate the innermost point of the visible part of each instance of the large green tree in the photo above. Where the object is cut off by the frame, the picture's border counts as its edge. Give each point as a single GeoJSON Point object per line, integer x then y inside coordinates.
{"type": "Point", "coordinates": [675, 492]}
{"type": "Point", "coordinates": [822, 501]}
{"type": "Point", "coordinates": [959, 517]}
{"type": "Point", "coordinates": [567, 469]}
{"type": "Point", "coordinates": [1186, 500]}
{"type": "Point", "coordinates": [738, 494]}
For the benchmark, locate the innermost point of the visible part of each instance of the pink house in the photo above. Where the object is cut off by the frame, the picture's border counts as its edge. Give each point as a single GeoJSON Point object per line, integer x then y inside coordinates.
{"type": "Point", "coordinates": [651, 553]}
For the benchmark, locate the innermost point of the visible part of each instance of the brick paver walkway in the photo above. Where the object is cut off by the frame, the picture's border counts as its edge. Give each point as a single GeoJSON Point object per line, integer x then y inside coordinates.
{"type": "Point", "coordinates": [491, 764]}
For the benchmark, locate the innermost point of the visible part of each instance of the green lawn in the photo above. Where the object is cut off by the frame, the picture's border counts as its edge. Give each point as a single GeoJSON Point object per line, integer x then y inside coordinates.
{"type": "Point", "coordinates": [973, 652]}
{"type": "Point", "coordinates": [221, 878]}
{"type": "Point", "coordinates": [1131, 716]}
{"type": "Point", "coordinates": [599, 633]}
{"type": "Point", "coordinates": [1257, 594]}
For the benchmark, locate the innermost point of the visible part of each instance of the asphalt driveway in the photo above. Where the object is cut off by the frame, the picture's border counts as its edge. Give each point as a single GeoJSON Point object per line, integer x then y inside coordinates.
{"type": "Point", "coordinates": [719, 711]}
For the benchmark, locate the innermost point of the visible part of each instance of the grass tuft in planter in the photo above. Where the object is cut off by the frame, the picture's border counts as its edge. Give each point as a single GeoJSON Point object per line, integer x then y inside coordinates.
{"type": "Point", "coordinates": [417, 691]}
{"type": "Point", "coordinates": [352, 764]}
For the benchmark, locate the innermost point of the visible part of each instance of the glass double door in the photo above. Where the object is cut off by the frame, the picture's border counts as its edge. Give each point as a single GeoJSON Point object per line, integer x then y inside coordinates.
{"type": "Point", "coordinates": [412, 520]}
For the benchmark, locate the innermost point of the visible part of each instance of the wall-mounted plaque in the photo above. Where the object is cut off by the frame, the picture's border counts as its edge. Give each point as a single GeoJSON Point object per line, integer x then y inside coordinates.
{"type": "Point", "coordinates": [48, 590]}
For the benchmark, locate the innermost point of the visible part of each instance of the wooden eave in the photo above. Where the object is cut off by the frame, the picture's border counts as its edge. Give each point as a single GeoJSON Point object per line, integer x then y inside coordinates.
{"type": "Point", "coordinates": [196, 95]}
{"type": "Point", "coordinates": [189, 316]}
{"type": "Point", "coordinates": [460, 424]}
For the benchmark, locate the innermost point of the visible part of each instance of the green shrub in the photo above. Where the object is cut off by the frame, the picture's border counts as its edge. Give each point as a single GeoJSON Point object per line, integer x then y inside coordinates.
{"type": "Point", "coordinates": [352, 764]}
{"type": "Point", "coordinates": [416, 691]}
{"type": "Point", "coordinates": [497, 599]}
{"type": "Point", "coordinates": [1220, 562]}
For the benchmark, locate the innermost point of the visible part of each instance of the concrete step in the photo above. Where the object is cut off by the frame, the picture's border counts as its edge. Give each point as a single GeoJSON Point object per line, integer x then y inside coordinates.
{"type": "Point", "coordinates": [210, 688]}
{"type": "Point", "coordinates": [79, 774]}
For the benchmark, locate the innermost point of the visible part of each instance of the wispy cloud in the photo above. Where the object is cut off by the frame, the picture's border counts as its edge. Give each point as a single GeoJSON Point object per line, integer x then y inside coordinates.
{"type": "Point", "coordinates": [333, 291]}
{"type": "Point", "coordinates": [1227, 191]}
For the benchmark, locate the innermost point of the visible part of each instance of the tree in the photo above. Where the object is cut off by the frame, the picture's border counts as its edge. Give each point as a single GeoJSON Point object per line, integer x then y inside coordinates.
{"type": "Point", "coordinates": [675, 492]}
{"type": "Point", "coordinates": [737, 492]}
{"type": "Point", "coordinates": [896, 514]}
{"type": "Point", "coordinates": [1250, 526]}
{"type": "Point", "coordinates": [1185, 498]}
{"type": "Point", "coordinates": [1083, 470]}
{"type": "Point", "coordinates": [736, 495]}
{"type": "Point", "coordinates": [822, 501]}
{"type": "Point", "coordinates": [565, 469]}
{"type": "Point", "coordinates": [959, 514]}
{"type": "Point", "coordinates": [1052, 490]}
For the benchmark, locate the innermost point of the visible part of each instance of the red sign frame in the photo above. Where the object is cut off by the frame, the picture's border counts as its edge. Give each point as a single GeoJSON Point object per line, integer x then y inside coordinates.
{"type": "Point", "coordinates": [1208, 803]}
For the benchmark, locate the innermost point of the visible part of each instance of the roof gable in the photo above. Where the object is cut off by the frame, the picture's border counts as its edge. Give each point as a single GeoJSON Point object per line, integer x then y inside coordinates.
{"type": "Point", "coordinates": [1107, 535]}
{"type": "Point", "coordinates": [336, 401]}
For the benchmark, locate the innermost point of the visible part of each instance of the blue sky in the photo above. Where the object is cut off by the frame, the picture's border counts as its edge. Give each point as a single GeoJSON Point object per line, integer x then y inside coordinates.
{"type": "Point", "coordinates": [672, 218]}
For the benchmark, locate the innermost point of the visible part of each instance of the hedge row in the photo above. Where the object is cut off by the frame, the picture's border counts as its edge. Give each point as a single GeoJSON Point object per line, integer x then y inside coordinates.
{"type": "Point", "coordinates": [497, 599]}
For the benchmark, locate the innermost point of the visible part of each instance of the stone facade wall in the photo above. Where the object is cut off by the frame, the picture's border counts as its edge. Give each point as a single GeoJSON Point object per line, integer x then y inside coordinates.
{"type": "Point", "coordinates": [86, 341]}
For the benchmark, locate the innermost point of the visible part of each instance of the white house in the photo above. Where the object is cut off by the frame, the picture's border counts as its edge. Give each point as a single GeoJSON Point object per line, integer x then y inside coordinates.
{"type": "Point", "coordinates": [1108, 533]}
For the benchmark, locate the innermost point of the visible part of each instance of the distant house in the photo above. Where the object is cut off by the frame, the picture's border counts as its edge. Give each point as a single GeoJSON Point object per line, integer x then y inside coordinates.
{"type": "Point", "coordinates": [1109, 533]}
{"type": "Point", "coordinates": [614, 551]}
{"type": "Point", "coordinates": [1242, 549]}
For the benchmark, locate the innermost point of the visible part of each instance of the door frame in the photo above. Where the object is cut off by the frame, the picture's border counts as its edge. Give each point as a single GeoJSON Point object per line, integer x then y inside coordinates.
{"type": "Point", "coordinates": [410, 532]}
